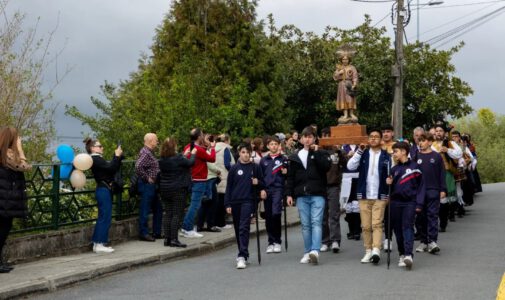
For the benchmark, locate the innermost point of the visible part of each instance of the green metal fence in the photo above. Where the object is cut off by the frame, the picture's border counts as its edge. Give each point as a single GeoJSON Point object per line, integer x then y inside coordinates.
{"type": "Point", "coordinates": [54, 203]}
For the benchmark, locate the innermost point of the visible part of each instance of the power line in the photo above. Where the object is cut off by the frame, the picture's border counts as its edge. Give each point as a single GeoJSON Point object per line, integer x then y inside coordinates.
{"type": "Point", "coordinates": [472, 28]}
{"type": "Point", "coordinates": [465, 4]}
{"type": "Point", "coordinates": [455, 20]}
{"type": "Point", "coordinates": [465, 27]}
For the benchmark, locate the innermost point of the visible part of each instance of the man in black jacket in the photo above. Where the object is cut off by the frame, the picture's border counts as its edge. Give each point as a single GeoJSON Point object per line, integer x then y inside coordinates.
{"type": "Point", "coordinates": [307, 182]}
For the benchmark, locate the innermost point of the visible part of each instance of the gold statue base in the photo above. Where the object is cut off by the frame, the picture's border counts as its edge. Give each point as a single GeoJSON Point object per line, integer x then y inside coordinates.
{"type": "Point", "coordinates": [352, 134]}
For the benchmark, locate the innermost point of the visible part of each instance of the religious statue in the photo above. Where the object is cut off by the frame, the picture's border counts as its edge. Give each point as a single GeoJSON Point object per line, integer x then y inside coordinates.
{"type": "Point", "coordinates": [346, 77]}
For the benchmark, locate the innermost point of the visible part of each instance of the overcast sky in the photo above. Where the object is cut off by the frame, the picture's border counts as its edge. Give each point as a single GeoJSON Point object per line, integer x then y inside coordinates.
{"type": "Point", "coordinates": [104, 39]}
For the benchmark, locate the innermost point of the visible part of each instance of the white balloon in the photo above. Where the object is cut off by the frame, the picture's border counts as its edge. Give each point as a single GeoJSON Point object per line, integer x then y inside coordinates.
{"type": "Point", "coordinates": [83, 161]}
{"type": "Point", "coordinates": [78, 179]}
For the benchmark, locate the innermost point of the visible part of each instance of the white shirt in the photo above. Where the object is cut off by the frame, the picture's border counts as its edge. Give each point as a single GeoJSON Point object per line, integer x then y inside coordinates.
{"type": "Point", "coordinates": [303, 155]}
{"type": "Point", "coordinates": [372, 180]}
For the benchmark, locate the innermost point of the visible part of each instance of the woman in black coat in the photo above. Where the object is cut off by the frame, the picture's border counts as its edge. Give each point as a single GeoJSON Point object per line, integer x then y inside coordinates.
{"type": "Point", "coordinates": [13, 199]}
{"type": "Point", "coordinates": [175, 182]}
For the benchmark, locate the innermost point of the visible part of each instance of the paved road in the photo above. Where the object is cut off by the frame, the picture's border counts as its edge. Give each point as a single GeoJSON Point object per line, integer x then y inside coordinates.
{"type": "Point", "coordinates": [470, 266]}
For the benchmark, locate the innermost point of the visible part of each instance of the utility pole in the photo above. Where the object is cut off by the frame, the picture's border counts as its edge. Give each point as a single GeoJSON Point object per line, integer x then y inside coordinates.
{"type": "Point", "coordinates": [398, 70]}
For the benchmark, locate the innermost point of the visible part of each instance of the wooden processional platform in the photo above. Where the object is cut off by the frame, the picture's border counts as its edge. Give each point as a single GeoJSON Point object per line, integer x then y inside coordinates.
{"type": "Point", "coordinates": [352, 134]}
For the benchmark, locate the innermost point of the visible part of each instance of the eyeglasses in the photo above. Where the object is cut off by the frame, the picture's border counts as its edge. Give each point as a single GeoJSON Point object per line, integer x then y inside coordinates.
{"type": "Point", "coordinates": [374, 138]}
{"type": "Point", "coordinates": [98, 146]}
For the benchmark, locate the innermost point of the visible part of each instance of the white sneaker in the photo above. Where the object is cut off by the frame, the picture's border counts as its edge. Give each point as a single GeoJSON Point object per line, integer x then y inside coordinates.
{"type": "Point", "coordinates": [324, 248]}
{"type": "Point", "coordinates": [408, 261]}
{"type": "Point", "coordinates": [270, 249]}
{"type": "Point", "coordinates": [241, 264]}
{"type": "Point", "coordinates": [367, 257]}
{"type": "Point", "coordinates": [401, 262]}
{"type": "Point", "coordinates": [305, 259]}
{"type": "Point", "coordinates": [192, 234]}
{"type": "Point", "coordinates": [376, 255]}
{"type": "Point", "coordinates": [386, 247]}
{"type": "Point", "coordinates": [100, 248]}
{"type": "Point", "coordinates": [314, 257]}
{"type": "Point", "coordinates": [227, 226]}
{"type": "Point", "coordinates": [433, 248]}
{"type": "Point", "coordinates": [422, 247]}
{"type": "Point", "coordinates": [182, 232]}
{"type": "Point", "coordinates": [277, 248]}
{"type": "Point", "coordinates": [335, 247]}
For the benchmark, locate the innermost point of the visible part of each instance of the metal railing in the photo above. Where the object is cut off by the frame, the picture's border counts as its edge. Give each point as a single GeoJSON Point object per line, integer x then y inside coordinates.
{"type": "Point", "coordinates": [54, 203]}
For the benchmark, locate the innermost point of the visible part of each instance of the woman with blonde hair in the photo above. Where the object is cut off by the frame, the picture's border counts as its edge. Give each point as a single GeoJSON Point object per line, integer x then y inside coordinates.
{"type": "Point", "coordinates": [13, 199]}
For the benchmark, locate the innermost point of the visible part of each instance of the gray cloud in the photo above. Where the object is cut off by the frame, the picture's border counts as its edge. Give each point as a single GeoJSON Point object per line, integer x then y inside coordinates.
{"type": "Point", "coordinates": [104, 40]}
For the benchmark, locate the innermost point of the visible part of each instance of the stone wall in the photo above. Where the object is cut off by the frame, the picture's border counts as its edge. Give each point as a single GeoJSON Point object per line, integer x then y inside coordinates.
{"type": "Point", "coordinates": [65, 242]}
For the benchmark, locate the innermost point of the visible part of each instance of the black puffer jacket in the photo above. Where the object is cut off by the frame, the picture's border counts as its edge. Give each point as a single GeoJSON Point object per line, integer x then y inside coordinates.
{"type": "Point", "coordinates": [13, 199]}
{"type": "Point", "coordinates": [310, 181]}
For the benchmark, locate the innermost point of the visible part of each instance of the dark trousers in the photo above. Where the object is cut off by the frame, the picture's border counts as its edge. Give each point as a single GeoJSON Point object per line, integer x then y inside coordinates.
{"type": "Point", "coordinates": [331, 216]}
{"type": "Point", "coordinates": [444, 214]}
{"type": "Point", "coordinates": [5, 228]}
{"type": "Point", "coordinates": [207, 211]}
{"type": "Point", "coordinates": [242, 224]}
{"type": "Point", "coordinates": [149, 200]}
{"type": "Point", "coordinates": [220, 211]}
{"type": "Point", "coordinates": [173, 203]}
{"type": "Point", "coordinates": [104, 200]}
{"type": "Point", "coordinates": [427, 220]}
{"type": "Point", "coordinates": [273, 213]}
{"type": "Point", "coordinates": [403, 216]}
{"type": "Point", "coordinates": [468, 188]}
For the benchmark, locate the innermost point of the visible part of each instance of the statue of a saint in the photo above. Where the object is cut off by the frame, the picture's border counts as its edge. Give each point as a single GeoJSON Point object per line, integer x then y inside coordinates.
{"type": "Point", "coordinates": [346, 77]}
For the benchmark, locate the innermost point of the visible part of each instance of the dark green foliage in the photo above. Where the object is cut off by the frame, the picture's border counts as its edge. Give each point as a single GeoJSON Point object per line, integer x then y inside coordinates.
{"type": "Point", "coordinates": [214, 66]}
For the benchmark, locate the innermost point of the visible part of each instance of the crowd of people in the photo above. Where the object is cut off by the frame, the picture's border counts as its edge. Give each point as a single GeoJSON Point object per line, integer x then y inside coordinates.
{"type": "Point", "coordinates": [386, 188]}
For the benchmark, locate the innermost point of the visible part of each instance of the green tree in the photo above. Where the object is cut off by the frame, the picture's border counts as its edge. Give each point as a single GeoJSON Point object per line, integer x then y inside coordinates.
{"type": "Point", "coordinates": [485, 129]}
{"type": "Point", "coordinates": [308, 62]}
{"type": "Point", "coordinates": [211, 66]}
{"type": "Point", "coordinates": [24, 58]}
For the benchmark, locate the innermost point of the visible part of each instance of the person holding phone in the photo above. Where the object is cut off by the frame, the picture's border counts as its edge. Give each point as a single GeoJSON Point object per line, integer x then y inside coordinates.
{"type": "Point", "coordinates": [103, 172]}
{"type": "Point", "coordinates": [199, 173]}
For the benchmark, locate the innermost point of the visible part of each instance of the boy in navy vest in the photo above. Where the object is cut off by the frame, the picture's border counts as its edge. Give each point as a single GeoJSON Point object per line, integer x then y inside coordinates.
{"type": "Point", "coordinates": [372, 192]}
{"type": "Point", "coordinates": [406, 199]}
{"type": "Point", "coordinates": [244, 179]}
{"type": "Point", "coordinates": [431, 165]}
{"type": "Point", "coordinates": [273, 171]}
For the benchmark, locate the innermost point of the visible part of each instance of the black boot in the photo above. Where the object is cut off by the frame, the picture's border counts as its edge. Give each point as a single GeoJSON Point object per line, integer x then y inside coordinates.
{"type": "Point", "coordinates": [166, 242]}
{"type": "Point", "coordinates": [5, 268]}
{"type": "Point", "coordinates": [177, 244]}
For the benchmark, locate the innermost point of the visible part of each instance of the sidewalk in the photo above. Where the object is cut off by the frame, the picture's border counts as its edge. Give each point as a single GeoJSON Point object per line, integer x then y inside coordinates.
{"type": "Point", "coordinates": [58, 272]}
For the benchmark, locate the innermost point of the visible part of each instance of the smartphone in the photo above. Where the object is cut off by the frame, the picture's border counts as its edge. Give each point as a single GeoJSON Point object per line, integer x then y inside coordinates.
{"type": "Point", "coordinates": [118, 144]}
{"type": "Point", "coordinates": [211, 138]}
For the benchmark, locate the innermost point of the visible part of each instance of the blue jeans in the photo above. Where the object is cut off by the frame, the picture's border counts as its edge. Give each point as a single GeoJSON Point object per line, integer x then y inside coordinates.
{"type": "Point", "coordinates": [311, 210]}
{"type": "Point", "coordinates": [207, 211]}
{"type": "Point", "coordinates": [104, 200]}
{"type": "Point", "coordinates": [149, 200]}
{"type": "Point", "coordinates": [198, 189]}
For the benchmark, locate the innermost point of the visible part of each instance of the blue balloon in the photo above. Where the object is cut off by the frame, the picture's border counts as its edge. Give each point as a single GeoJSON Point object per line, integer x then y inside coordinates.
{"type": "Point", "coordinates": [65, 153]}
{"type": "Point", "coordinates": [65, 171]}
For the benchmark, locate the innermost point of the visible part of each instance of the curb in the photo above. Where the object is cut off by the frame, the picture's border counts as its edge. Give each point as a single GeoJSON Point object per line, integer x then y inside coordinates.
{"type": "Point", "coordinates": [53, 283]}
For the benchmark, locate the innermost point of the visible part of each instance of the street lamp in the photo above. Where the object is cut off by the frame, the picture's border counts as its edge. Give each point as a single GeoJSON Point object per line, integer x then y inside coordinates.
{"type": "Point", "coordinates": [431, 3]}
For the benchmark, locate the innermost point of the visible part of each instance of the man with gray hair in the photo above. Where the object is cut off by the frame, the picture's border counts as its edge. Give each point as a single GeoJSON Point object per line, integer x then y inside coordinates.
{"type": "Point", "coordinates": [418, 131]}
{"type": "Point", "coordinates": [147, 170]}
